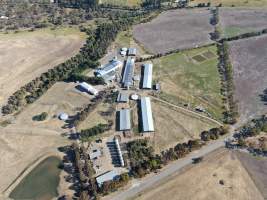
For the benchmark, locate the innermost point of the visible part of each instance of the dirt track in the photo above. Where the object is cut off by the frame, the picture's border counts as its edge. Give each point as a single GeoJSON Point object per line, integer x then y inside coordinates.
{"type": "Point", "coordinates": [175, 29]}
{"type": "Point", "coordinates": [26, 55]}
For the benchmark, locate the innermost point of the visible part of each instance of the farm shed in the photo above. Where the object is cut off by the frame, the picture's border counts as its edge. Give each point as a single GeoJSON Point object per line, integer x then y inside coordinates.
{"type": "Point", "coordinates": [118, 148]}
{"type": "Point", "coordinates": [125, 120]}
{"type": "Point", "coordinates": [147, 76]}
{"type": "Point", "coordinates": [108, 176]}
{"type": "Point", "coordinates": [147, 119]}
{"type": "Point", "coordinates": [95, 154]}
{"type": "Point", "coordinates": [127, 79]}
{"type": "Point", "coordinates": [132, 52]}
{"type": "Point", "coordinates": [112, 66]}
{"type": "Point", "coordinates": [123, 98]}
{"type": "Point", "coordinates": [88, 88]}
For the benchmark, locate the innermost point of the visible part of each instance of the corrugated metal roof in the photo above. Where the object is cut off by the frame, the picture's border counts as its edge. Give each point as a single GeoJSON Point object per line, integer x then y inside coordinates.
{"type": "Point", "coordinates": [147, 76]}
{"type": "Point", "coordinates": [132, 51]}
{"type": "Point", "coordinates": [125, 120]}
{"type": "Point", "coordinates": [88, 88]}
{"type": "Point", "coordinates": [111, 66]}
{"type": "Point", "coordinates": [127, 79]}
{"type": "Point", "coordinates": [122, 97]}
{"type": "Point", "coordinates": [108, 176]}
{"type": "Point", "coordinates": [147, 119]}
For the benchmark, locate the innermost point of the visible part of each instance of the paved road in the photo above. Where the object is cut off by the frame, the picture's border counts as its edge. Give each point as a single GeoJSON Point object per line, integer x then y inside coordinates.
{"type": "Point", "coordinates": [167, 171]}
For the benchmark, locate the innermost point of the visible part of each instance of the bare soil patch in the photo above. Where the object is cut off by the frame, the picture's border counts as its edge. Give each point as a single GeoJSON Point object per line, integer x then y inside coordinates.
{"type": "Point", "coordinates": [25, 55]}
{"type": "Point", "coordinates": [203, 181]}
{"type": "Point", "coordinates": [235, 21]}
{"type": "Point", "coordinates": [229, 3]}
{"type": "Point", "coordinates": [175, 29]}
{"type": "Point", "coordinates": [249, 61]}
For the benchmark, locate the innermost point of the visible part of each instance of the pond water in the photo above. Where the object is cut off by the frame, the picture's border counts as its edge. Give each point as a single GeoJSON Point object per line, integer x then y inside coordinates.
{"type": "Point", "coordinates": [41, 183]}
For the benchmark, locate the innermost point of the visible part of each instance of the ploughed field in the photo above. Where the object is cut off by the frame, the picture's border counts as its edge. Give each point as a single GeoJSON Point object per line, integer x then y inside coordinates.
{"type": "Point", "coordinates": [249, 62]}
{"type": "Point", "coordinates": [220, 176]}
{"type": "Point", "coordinates": [243, 3]}
{"type": "Point", "coordinates": [25, 55]}
{"type": "Point", "coordinates": [175, 29]}
{"type": "Point", "coordinates": [235, 21]}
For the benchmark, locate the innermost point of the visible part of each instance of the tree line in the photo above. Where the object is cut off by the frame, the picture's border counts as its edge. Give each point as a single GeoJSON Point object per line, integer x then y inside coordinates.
{"type": "Point", "coordinates": [86, 134]}
{"type": "Point", "coordinates": [143, 160]}
{"type": "Point", "coordinates": [227, 84]}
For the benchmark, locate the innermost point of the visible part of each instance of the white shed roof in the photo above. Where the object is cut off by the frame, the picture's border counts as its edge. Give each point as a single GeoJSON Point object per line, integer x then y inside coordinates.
{"type": "Point", "coordinates": [125, 120]}
{"type": "Point", "coordinates": [108, 176]}
{"type": "Point", "coordinates": [147, 119]}
{"type": "Point", "coordinates": [147, 76]}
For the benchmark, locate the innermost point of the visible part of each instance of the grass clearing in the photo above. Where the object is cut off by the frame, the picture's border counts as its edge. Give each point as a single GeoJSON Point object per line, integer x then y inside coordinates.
{"type": "Point", "coordinates": [186, 81]}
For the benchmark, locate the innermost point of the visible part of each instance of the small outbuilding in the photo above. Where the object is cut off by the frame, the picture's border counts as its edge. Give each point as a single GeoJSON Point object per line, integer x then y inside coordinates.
{"type": "Point", "coordinates": [125, 120]}
{"type": "Point", "coordinates": [134, 97]}
{"type": "Point", "coordinates": [132, 52]}
{"type": "Point", "coordinates": [108, 176]}
{"type": "Point", "coordinates": [88, 88]}
{"type": "Point", "coordinates": [63, 116]}
{"type": "Point", "coordinates": [122, 98]}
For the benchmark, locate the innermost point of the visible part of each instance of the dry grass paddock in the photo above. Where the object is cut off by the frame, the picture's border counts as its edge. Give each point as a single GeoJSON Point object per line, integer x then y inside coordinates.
{"type": "Point", "coordinates": [175, 29]}
{"type": "Point", "coordinates": [173, 126]}
{"type": "Point", "coordinates": [25, 55]}
{"type": "Point", "coordinates": [201, 182]}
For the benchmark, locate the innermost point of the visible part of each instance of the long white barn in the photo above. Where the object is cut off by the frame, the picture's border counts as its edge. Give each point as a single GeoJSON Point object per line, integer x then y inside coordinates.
{"type": "Point", "coordinates": [90, 89]}
{"type": "Point", "coordinates": [147, 119]}
{"type": "Point", "coordinates": [147, 76]}
{"type": "Point", "coordinates": [112, 66]}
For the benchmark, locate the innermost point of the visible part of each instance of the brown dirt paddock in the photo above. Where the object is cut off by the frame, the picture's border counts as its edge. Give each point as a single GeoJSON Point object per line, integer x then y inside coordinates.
{"type": "Point", "coordinates": [249, 61]}
{"type": "Point", "coordinates": [175, 29]}
{"type": "Point", "coordinates": [201, 182]}
{"type": "Point", "coordinates": [235, 21]}
{"type": "Point", "coordinates": [229, 3]}
{"type": "Point", "coordinates": [25, 55]}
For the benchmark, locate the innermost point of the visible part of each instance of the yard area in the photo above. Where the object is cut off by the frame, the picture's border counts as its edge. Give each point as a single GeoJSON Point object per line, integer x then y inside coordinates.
{"type": "Point", "coordinates": [175, 29]}
{"type": "Point", "coordinates": [236, 21]}
{"type": "Point", "coordinates": [191, 78]}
